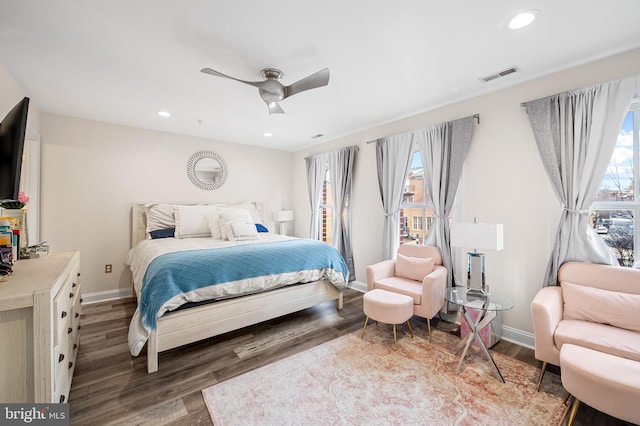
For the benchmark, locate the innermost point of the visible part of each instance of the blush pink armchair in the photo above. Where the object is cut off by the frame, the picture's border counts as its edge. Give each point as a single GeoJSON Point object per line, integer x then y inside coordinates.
{"type": "Point", "coordinates": [416, 272]}
{"type": "Point", "coordinates": [594, 307]}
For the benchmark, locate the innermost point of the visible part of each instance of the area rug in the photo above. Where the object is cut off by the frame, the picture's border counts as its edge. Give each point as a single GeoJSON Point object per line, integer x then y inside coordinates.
{"type": "Point", "coordinates": [355, 381]}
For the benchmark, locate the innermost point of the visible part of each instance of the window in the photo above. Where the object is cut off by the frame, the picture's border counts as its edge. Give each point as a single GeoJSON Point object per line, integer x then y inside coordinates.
{"type": "Point", "coordinates": [416, 209]}
{"type": "Point", "coordinates": [615, 213]}
{"type": "Point", "coordinates": [327, 209]}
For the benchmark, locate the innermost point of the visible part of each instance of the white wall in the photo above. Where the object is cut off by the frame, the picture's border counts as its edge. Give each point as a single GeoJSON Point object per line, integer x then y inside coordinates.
{"type": "Point", "coordinates": [504, 182]}
{"type": "Point", "coordinates": [10, 94]}
{"type": "Point", "coordinates": [92, 172]}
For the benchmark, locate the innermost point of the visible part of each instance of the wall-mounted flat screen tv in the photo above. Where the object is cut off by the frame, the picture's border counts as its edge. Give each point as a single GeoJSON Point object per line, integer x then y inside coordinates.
{"type": "Point", "coordinates": [12, 132]}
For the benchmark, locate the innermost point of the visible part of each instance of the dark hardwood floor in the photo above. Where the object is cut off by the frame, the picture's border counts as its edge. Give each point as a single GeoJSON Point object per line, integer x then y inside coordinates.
{"type": "Point", "coordinates": [110, 387]}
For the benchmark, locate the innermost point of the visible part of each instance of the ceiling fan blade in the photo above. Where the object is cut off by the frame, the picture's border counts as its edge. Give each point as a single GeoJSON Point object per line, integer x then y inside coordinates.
{"type": "Point", "coordinates": [319, 79]}
{"type": "Point", "coordinates": [274, 108]}
{"type": "Point", "coordinates": [257, 84]}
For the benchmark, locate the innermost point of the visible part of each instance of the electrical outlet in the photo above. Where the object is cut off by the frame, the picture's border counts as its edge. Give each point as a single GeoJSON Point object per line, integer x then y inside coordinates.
{"type": "Point", "coordinates": [107, 269]}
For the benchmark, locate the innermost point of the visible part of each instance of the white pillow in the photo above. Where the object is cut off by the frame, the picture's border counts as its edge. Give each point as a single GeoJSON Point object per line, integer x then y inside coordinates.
{"type": "Point", "coordinates": [214, 226]}
{"type": "Point", "coordinates": [242, 232]}
{"type": "Point", "coordinates": [229, 215]}
{"type": "Point", "coordinates": [251, 208]}
{"type": "Point", "coordinates": [159, 216]}
{"type": "Point", "coordinates": [193, 221]}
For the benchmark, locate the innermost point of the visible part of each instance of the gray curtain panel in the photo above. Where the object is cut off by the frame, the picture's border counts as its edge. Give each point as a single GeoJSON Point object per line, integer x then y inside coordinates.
{"type": "Point", "coordinates": [393, 156]}
{"type": "Point", "coordinates": [316, 168]}
{"type": "Point", "coordinates": [341, 172]}
{"type": "Point", "coordinates": [444, 147]}
{"type": "Point", "coordinates": [576, 133]}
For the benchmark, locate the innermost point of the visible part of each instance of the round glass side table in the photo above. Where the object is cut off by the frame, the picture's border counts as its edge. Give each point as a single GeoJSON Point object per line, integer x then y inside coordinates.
{"type": "Point", "coordinates": [487, 304]}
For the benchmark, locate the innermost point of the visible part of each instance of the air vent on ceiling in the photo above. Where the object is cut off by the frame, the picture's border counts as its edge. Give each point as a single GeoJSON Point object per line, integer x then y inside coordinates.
{"type": "Point", "coordinates": [319, 135]}
{"type": "Point", "coordinates": [499, 74]}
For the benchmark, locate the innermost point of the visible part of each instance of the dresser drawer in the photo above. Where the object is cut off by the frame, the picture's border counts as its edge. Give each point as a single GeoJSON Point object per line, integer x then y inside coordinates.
{"type": "Point", "coordinates": [63, 316]}
{"type": "Point", "coordinates": [67, 308]}
{"type": "Point", "coordinates": [64, 372]}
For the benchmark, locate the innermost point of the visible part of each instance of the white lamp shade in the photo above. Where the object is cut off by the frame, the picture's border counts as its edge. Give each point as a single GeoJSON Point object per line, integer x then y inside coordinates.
{"type": "Point", "coordinates": [283, 216]}
{"type": "Point", "coordinates": [477, 236]}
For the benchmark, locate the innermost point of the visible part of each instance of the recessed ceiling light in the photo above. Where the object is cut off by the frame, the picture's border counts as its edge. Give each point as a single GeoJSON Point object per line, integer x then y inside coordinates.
{"type": "Point", "coordinates": [268, 134]}
{"type": "Point", "coordinates": [164, 114]}
{"type": "Point", "coordinates": [522, 19]}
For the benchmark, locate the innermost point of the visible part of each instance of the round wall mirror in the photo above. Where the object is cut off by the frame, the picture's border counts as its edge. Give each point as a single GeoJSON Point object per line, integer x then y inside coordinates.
{"type": "Point", "coordinates": [207, 170]}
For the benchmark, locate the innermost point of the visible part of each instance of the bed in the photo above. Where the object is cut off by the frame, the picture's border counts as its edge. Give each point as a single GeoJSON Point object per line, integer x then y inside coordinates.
{"type": "Point", "coordinates": [191, 286]}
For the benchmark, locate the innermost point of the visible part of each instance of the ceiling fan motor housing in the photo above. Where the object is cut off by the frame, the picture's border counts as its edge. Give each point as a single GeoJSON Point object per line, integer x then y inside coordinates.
{"type": "Point", "coordinates": [272, 74]}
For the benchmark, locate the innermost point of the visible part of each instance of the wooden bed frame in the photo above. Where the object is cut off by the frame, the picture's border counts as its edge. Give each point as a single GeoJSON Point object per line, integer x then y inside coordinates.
{"type": "Point", "coordinates": [201, 322]}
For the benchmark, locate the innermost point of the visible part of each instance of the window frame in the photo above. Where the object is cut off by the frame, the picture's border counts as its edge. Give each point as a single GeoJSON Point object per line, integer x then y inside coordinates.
{"type": "Point", "coordinates": [425, 207]}
{"type": "Point", "coordinates": [327, 209]}
{"type": "Point", "coordinates": [634, 205]}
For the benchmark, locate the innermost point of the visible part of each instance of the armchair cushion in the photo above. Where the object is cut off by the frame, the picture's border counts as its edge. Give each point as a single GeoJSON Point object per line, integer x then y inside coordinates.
{"type": "Point", "coordinates": [601, 306]}
{"type": "Point", "coordinates": [599, 337]}
{"type": "Point", "coordinates": [403, 286]}
{"type": "Point", "coordinates": [414, 268]}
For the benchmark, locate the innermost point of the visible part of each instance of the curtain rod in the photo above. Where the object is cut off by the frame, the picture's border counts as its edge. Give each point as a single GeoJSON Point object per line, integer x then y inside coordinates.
{"type": "Point", "coordinates": [476, 116]}
{"type": "Point", "coordinates": [354, 146]}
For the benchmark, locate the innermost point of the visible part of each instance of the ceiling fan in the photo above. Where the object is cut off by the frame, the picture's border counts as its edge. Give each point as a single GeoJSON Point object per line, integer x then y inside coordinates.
{"type": "Point", "coordinates": [272, 91]}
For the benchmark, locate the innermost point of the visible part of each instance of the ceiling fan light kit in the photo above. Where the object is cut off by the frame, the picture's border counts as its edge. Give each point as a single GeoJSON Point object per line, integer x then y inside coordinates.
{"type": "Point", "coordinates": [272, 91]}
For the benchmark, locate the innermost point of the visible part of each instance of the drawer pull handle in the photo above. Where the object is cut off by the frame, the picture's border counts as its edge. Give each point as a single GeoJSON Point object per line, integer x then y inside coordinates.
{"type": "Point", "coordinates": [69, 330]}
{"type": "Point", "coordinates": [70, 364]}
{"type": "Point", "coordinates": [73, 285]}
{"type": "Point", "coordinates": [61, 357]}
{"type": "Point", "coordinates": [61, 399]}
{"type": "Point", "coordinates": [64, 314]}
{"type": "Point", "coordinates": [78, 274]}
{"type": "Point", "coordinates": [75, 346]}
{"type": "Point", "coordinates": [70, 295]}
{"type": "Point", "coordinates": [77, 314]}
{"type": "Point", "coordinates": [81, 300]}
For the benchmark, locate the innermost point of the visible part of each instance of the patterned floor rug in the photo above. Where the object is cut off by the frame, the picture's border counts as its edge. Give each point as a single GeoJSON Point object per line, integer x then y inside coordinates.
{"type": "Point", "coordinates": [355, 381]}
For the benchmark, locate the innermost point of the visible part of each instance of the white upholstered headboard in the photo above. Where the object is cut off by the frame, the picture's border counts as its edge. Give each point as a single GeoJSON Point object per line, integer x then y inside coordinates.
{"type": "Point", "coordinates": [139, 221]}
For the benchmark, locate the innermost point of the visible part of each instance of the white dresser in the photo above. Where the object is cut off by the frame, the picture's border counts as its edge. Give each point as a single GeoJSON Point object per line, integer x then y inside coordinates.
{"type": "Point", "coordinates": [39, 323]}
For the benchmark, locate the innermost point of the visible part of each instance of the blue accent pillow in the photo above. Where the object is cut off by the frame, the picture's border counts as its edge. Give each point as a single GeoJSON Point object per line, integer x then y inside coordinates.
{"type": "Point", "coordinates": [261, 228]}
{"type": "Point", "coordinates": [162, 233]}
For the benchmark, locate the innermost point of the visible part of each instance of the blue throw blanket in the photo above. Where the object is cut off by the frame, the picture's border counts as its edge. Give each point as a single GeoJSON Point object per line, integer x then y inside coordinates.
{"type": "Point", "coordinates": [171, 274]}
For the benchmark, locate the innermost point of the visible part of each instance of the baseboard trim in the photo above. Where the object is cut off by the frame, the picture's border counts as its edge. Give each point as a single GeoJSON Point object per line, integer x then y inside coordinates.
{"type": "Point", "coordinates": [103, 296]}
{"type": "Point", "coordinates": [522, 338]}
{"type": "Point", "coordinates": [358, 285]}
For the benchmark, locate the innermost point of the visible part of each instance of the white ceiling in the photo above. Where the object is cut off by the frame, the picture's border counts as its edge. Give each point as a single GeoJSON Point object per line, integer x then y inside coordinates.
{"type": "Point", "coordinates": [123, 61]}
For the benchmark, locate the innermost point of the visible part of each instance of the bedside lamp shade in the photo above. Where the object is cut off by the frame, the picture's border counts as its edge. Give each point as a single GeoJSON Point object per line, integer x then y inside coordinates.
{"type": "Point", "coordinates": [282, 217]}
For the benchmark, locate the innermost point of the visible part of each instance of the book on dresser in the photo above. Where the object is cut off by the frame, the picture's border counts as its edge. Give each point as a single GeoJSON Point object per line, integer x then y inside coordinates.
{"type": "Point", "coordinates": [40, 308]}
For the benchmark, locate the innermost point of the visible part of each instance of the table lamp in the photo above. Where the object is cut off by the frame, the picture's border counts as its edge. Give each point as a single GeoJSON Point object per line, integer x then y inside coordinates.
{"type": "Point", "coordinates": [283, 217]}
{"type": "Point", "coordinates": [476, 236]}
